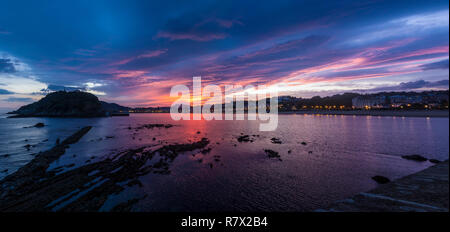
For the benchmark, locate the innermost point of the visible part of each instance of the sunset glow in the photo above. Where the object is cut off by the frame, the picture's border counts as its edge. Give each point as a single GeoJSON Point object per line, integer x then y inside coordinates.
{"type": "Point", "coordinates": [132, 57]}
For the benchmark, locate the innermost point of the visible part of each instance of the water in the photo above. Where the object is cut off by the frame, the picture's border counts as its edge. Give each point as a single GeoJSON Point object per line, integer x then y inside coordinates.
{"type": "Point", "coordinates": [341, 155]}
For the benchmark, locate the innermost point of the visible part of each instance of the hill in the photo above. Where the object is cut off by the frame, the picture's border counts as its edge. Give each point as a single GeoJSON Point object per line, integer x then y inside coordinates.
{"type": "Point", "coordinates": [68, 104]}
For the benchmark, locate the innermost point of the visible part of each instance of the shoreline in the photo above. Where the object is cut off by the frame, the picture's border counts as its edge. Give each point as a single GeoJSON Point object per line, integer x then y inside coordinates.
{"type": "Point", "coordinates": [386, 113]}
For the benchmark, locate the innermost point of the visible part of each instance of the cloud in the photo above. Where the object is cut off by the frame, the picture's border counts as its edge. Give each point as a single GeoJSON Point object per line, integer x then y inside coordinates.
{"type": "Point", "coordinates": [422, 84]}
{"type": "Point", "coordinates": [85, 52]}
{"type": "Point", "coordinates": [5, 92]}
{"type": "Point", "coordinates": [412, 85]}
{"type": "Point", "coordinates": [443, 64]}
{"type": "Point", "coordinates": [88, 87]}
{"type": "Point", "coordinates": [410, 25]}
{"type": "Point", "coordinates": [61, 88]}
{"type": "Point", "coordinates": [149, 54]}
{"type": "Point", "coordinates": [197, 30]}
{"type": "Point", "coordinates": [6, 66]}
{"type": "Point", "coordinates": [19, 99]}
{"type": "Point", "coordinates": [434, 19]}
{"type": "Point", "coordinates": [293, 48]}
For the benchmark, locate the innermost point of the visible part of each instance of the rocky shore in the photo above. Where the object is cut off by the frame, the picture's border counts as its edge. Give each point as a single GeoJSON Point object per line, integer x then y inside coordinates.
{"type": "Point", "coordinates": [85, 188]}
{"type": "Point", "coordinates": [425, 191]}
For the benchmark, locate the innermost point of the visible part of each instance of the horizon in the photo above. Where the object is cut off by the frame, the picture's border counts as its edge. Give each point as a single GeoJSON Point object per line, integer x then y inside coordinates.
{"type": "Point", "coordinates": [132, 53]}
{"type": "Point", "coordinates": [304, 98]}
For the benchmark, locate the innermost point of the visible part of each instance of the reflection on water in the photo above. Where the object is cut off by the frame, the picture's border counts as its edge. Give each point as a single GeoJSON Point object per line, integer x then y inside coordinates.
{"type": "Point", "coordinates": [331, 157]}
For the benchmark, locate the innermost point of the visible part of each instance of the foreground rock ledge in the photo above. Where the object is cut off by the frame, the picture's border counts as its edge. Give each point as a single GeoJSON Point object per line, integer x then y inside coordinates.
{"type": "Point", "coordinates": [85, 188]}
{"type": "Point", "coordinates": [425, 191]}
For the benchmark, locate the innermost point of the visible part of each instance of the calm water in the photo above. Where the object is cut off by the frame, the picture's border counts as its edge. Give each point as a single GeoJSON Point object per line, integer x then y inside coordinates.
{"type": "Point", "coordinates": [341, 155]}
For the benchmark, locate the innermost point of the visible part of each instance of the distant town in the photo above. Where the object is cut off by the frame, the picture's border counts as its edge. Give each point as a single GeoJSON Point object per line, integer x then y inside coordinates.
{"type": "Point", "coordinates": [383, 100]}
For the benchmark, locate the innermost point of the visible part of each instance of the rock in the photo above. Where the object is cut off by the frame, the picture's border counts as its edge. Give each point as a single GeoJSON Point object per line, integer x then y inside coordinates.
{"type": "Point", "coordinates": [289, 152]}
{"type": "Point", "coordinates": [134, 182]}
{"type": "Point", "coordinates": [418, 158]}
{"type": "Point", "coordinates": [435, 161]}
{"type": "Point", "coordinates": [272, 153]}
{"type": "Point", "coordinates": [5, 171]}
{"type": "Point", "coordinates": [244, 138]}
{"type": "Point", "coordinates": [206, 151]}
{"type": "Point", "coordinates": [5, 155]}
{"type": "Point", "coordinates": [310, 152]}
{"type": "Point", "coordinates": [198, 132]}
{"type": "Point", "coordinates": [303, 143]}
{"type": "Point", "coordinates": [381, 179]}
{"type": "Point", "coordinates": [39, 125]}
{"type": "Point", "coordinates": [276, 140]}
{"type": "Point", "coordinates": [151, 126]}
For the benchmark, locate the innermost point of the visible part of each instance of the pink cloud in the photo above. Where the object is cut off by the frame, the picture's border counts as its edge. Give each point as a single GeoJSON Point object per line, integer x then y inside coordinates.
{"type": "Point", "coordinates": [148, 54]}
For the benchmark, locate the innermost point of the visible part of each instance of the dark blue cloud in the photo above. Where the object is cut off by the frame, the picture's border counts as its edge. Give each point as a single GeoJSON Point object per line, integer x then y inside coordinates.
{"type": "Point", "coordinates": [421, 84]}
{"type": "Point", "coordinates": [5, 92]}
{"type": "Point", "coordinates": [19, 99]}
{"type": "Point", "coordinates": [413, 85]}
{"type": "Point", "coordinates": [437, 65]}
{"type": "Point", "coordinates": [6, 66]}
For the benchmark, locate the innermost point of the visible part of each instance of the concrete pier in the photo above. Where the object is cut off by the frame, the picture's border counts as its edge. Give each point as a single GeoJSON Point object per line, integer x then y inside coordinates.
{"type": "Point", "coordinates": [425, 191]}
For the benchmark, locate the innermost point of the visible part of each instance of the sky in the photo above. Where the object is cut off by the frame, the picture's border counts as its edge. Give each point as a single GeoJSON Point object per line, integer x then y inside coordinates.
{"type": "Point", "coordinates": [134, 52]}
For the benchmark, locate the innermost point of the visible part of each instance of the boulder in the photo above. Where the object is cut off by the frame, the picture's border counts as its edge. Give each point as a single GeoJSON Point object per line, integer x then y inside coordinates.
{"type": "Point", "coordinates": [418, 158]}
{"type": "Point", "coordinates": [272, 153]}
{"type": "Point", "coordinates": [381, 179]}
{"type": "Point", "coordinates": [435, 161]}
{"type": "Point", "coordinates": [39, 124]}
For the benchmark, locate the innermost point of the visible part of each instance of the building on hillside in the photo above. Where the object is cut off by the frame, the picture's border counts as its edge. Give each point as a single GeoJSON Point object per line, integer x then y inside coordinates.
{"type": "Point", "coordinates": [369, 101]}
